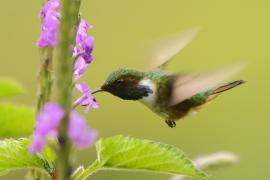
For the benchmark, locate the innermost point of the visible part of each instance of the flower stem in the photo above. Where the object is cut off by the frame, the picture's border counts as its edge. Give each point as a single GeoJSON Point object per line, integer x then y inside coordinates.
{"type": "Point", "coordinates": [45, 77]}
{"type": "Point", "coordinates": [64, 77]}
{"type": "Point", "coordinates": [45, 86]}
{"type": "Point", "coordinates": [34, 174]}
{"type": "Point", "coordinates": [89, 171]}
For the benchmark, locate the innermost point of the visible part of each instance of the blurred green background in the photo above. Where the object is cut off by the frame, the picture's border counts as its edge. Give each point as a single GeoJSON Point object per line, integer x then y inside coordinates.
{"type": "Point", "coordinates": [232, 31]}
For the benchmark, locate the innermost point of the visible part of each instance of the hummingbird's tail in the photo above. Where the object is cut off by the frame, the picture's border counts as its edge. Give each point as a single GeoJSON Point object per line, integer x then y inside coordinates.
{"type": "Point", "coordinates": [213, 93]}
{"type": "Point", "coordinates": [228, 86]}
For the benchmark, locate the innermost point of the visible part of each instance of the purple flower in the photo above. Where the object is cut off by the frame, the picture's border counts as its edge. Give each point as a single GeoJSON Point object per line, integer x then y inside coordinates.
{"type": "Point", "coordinates": [50, 15]}
{"type": "Point", "coordinates": [48, 121]}
{"type": "Point", "coordinates": [78, 131]}
{"type": "Point", "coordinates": [83, 54]}
{"type": "Point", "coordinates": [83, 49]}
{"type": "Point", "coordinates": [87, 99]}
{"type": "Point", "coordinates": [47, 124]}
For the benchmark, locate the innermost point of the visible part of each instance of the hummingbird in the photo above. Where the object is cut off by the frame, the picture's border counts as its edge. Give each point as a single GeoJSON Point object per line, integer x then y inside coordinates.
{"type": "Point", "coordinates": [172, 96]}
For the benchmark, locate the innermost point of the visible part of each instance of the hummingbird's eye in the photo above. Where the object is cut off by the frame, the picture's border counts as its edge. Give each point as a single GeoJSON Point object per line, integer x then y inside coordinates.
{"type": "Point", "coordinates": [119, 81]}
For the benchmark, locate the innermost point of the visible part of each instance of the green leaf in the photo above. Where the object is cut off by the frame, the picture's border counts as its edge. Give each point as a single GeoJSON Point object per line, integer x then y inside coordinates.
{"type": "Point", "coordinates": [126, 153]}
{"type": "Point", "coordinates": [14, 155]}
{"type": "Point", "coordinates": [16, 120]}
{"type": "Point", "coordinates": [9, 87]}
{"type": "Point", "coordinates": [130, 153]}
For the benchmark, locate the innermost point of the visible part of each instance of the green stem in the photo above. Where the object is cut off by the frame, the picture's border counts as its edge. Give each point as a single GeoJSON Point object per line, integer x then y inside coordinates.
{"type": "Point", "coordinates": [45, 86]}
{"type": "Point", "coordinates": [45, 77]}
{"type": "Point", "coordinates": [64, 77]}
{"type": "Point", "coordinates": [89, 171]}
{"type": "Point", "coordinates": [34, 175]}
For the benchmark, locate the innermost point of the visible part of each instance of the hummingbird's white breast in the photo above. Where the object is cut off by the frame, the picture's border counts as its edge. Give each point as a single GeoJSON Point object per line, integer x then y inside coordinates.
{"type": "Point", "coordinates": [151, 98]}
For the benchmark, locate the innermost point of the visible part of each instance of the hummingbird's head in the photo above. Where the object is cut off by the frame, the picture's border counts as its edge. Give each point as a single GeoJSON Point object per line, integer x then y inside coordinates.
{"type": "Point", "coordinates": [125, 83]}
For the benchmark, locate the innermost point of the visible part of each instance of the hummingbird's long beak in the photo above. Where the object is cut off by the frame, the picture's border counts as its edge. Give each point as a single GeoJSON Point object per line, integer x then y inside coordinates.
{"type": "Point", "coordinates": [97, 90]}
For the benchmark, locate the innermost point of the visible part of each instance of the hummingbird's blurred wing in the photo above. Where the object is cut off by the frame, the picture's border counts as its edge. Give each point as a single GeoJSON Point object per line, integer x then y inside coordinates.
{"type": "Point", "coordinates": [163, 50]}
{"type": "Point", "coordinates": [186, 86]}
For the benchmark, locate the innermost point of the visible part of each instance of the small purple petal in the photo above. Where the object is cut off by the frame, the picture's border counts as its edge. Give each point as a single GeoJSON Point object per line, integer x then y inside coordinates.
{"type": "Point", "coordinates": [82, 87]}
{"type": "Point", "coordinates": [78, 131]}
{"type": "Point", "coordinates": [87, 99]}
{"type": "Point", "coordinates": [88, 45]}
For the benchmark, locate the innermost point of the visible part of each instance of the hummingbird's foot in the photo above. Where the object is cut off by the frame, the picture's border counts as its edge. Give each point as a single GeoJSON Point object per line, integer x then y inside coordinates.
{"type": "Point", "coordinates": [170, 123]}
